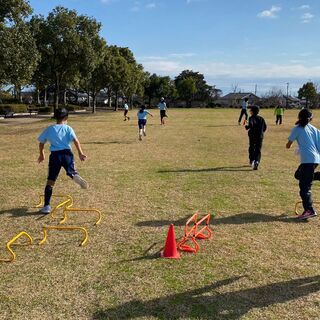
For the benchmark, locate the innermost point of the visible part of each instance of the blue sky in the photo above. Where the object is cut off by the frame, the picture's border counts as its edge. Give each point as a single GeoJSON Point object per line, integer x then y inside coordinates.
{"type": "Point", "coordinates": [239, 43]}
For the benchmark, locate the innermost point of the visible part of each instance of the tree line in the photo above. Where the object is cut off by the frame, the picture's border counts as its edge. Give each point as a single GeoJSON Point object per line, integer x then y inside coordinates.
{"type": "Point", "coordinates": [65, 50]}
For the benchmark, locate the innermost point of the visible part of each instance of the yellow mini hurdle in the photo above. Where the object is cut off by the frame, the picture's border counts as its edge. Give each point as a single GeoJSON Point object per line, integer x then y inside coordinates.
{"type": "Point", "coordinates": [67, 209]}
{"type": "Point", "coordinates": [65, 228]}
{"type": "Point", "coordinates": [11, 242]}
{"type": "Point", "coordinates": [66, 202]}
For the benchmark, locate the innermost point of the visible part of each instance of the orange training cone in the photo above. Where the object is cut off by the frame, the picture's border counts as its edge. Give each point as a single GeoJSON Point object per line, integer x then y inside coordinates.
{"type": "Point", "coordinates": [170, 249]}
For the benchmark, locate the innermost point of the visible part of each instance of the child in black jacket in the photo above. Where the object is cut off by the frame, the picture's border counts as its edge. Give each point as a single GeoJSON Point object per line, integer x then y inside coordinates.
{"type": "Point", "coordinates": [256, 127]}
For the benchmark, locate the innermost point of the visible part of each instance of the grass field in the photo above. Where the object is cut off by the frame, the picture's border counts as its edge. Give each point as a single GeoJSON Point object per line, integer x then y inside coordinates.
{"type": "Point", "coordinates": [260, 263]}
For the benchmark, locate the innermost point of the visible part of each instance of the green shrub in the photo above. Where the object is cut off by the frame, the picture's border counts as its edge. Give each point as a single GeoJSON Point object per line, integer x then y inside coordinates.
{"type": "Point", "coordinates": [7, 98]}
{"type": "Point", "coordinates": [48, 109]}
{"type": "Point", "coordinates": [16, 108]}
{"type": "Point", "coordinates": [73, 107]}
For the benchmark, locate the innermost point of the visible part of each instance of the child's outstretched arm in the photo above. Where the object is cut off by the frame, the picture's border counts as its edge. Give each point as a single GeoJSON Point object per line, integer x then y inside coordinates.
{"type": "Point", "coordinates": [82, 156]}
{"type": "Point", "coordinates": [41, 152]}
{"type": "Point", "coordinates": [289, 143]}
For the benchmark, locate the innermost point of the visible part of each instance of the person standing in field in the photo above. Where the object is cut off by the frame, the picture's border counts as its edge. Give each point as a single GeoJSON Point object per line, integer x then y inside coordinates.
{"type": "Point", "coordinates": [244, 112]}
{"type": "Point", "coordinates": [142, 121]}
{"type": "Point", "coordinates": [126, 110]}
{"type": "Point", "coordinates": [163, 109]}
{"type": "Point", "coordinates": [60, 136]}
{"type": "Point", "coordinates": [308, 139]}
{"type": "Point", "coordinates": [278, 112]}
{"type": "Point", "coordinates": [256, 127]}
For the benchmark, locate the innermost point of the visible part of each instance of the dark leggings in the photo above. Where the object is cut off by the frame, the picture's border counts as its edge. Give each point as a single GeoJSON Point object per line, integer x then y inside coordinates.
{"type": "Point", "coordinates": [305, 174]}
{"type": "Point", "coordinates": [279, 119]}
{"type": "Point", "coordinates": [243, 113]}
{"type": "Point", "coordinates": [255, 145]}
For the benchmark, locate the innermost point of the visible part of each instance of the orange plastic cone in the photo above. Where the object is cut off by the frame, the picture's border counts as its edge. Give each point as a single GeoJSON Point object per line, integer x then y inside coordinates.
{"type": "Point", "coordinates": [170, 249]}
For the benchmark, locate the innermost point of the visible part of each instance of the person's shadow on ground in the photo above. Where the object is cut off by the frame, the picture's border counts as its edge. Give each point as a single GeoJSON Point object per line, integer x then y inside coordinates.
{"type": "Point", "coordinates": [230, 168]}
{"type": "Point", "coordinates": [241, 218]}
{"type": "Point", "coordinates": [207, 303]}
{"type": "Point", "coordinates": [21, 212]}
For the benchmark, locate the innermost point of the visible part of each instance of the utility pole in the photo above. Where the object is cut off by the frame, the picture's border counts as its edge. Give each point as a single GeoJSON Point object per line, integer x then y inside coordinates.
{"type": "Point", "coordinates": [287, 95]}
{"type": "Point", "coordinates": [255, 90]}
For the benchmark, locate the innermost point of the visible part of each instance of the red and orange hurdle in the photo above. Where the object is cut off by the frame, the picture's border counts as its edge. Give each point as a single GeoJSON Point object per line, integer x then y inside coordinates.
{"type": "Point", "coordinates": [193, 230]}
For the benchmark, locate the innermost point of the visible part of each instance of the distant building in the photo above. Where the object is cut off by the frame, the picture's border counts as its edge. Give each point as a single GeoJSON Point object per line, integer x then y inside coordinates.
{"type": "Point", "coordinates": [235, 99]}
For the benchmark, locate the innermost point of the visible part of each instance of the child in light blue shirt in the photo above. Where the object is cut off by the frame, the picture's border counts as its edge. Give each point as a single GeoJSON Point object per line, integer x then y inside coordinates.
{"type": "Point", "coordinates": [142, 120]}
{"type": "Point", "coordinates": [59, 136]}
{"type": "Point", "coordinates": [308, 139]}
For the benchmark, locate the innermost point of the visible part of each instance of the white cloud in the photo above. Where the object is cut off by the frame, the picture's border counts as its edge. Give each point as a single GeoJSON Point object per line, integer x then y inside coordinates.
{"type": "Point", "coordinates": [182, 55]}
{"type": "Point", "coordinates": [295, 69]}
{"type": "Point", "coordinates": [304, 7]}
{"type": "Point", "coordinates": [151, 5]}
{"type": "Point", "coordinates": [269, 14]}
{"type": "Point", "coordinates": [163, 66]}
{"type": "Point", "coordinates": [143, 58]}
{"type": "Point", "coordinates": [307, 17]}
{"type": "Point", "coordinates": [305, 54]}
{"type": "Point", "coordinates": [190, 1]}
{"type": "Point", "coordinates": [108, 1]}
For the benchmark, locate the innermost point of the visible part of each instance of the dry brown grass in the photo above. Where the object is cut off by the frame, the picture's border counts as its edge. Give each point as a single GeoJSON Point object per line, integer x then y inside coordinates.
{"type": "Point", "coordinates": [260, 264]}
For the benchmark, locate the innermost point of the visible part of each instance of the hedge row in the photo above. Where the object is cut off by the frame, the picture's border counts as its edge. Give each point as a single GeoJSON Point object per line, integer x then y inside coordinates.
{"type": "Point", "coordinates": [23, 108]}
{"type": "Point", "coordinates": [16, 108]}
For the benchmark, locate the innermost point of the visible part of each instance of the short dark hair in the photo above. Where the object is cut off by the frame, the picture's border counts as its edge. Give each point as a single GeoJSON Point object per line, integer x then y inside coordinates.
{"type": "Point", "coordinates": [255, 109]}
{"type": "Point", "coordinates": [142, 108]}
{"type": "Point", "coordinates": [61, 113]}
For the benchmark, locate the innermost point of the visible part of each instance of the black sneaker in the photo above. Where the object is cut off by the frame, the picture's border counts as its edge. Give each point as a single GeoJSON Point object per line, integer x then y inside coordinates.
{"type": "Point", "coordinates": [255, 166]}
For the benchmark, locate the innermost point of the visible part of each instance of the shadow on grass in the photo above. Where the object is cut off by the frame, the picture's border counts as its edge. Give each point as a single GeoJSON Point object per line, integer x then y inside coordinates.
{"type": "Point", "coordinates": [107, 142]}
{"type": "Point", "coordinates": [21, 212]}
{"type": "Point", "coordinates": [146, 255]}
{"type": "Point", "coordinates": [207, 303]}
{"type": "Point", "coordinates": [222, 125]}
{"type": "Point", "coordinates": [241, 218]}
{"type": "Point", "coordinates": [235, 168]}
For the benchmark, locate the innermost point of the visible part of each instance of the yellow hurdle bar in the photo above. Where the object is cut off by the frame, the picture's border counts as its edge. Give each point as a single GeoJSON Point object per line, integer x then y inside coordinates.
{"type": "Point", "coordinates": [68, 209]}
{"type": "Point", "coordinates": [46, 228]}
{"type": "Point", "coordinates": [8, 246]}
{"type": "Point", "coordinates": [65, 203]}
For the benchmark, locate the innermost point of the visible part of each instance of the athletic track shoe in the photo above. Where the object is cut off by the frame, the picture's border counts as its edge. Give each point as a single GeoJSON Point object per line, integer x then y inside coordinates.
{"type": "Point", "coordinates": [307, 214]}
{"type": "Point", "coordinates": [80, 181]}
{"type": "Point", "coordinates": [45, 210]}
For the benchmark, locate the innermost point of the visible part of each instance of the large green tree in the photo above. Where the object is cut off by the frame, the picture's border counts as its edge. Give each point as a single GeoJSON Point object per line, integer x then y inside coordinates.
{"type": "Point", "coordinates": [203, 90]}
{"type": "Point", "coordinates": [309, 92]}
{"type": "Point", "coordinates": [187, 89]}
{"type": "Point", "coordinates": [92, 51]}
{"type": "Point", "coordinates": [14, 10]}
{"type": "Point", "coordinates": [18, 53]}
{"type": "Point", "coordinates": [67, 43]}
{"type": "Point", "coordinates": [159, 86]}
{"type": "Point", "coordinates": [126, 77]}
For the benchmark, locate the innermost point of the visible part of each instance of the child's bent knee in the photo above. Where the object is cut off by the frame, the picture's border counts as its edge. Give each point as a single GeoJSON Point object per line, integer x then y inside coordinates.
{"type": "Point", "coordinates": [50, 183]}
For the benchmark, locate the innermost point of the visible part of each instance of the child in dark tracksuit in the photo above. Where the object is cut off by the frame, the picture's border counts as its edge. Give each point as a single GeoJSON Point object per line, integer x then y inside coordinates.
{"type": "Point", "coordinates": [60, 136]}
{"type": "Point", "coordinates": [308, 138]}
{"type": "Point", "coordinates": [256, 127]}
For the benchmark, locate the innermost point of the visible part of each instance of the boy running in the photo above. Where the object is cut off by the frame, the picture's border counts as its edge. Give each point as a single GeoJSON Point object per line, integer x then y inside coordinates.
{"type": "Point", "coordinates": [126, 110]}
{"type": "Point", "coordinates": [278, 112]}
{"type": "Point", "coordinates": [308, 139]}
{"type": "Point", "coordinates": [163, 109]}
{"type": "Point", "coordinates": [59, 136]}
{"type": "Point", "coordinates": [256, 127]}
{"type": "Point", "coordinates": [244, 107]}
{"type": "Point", "coordinates": [142, 120]}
